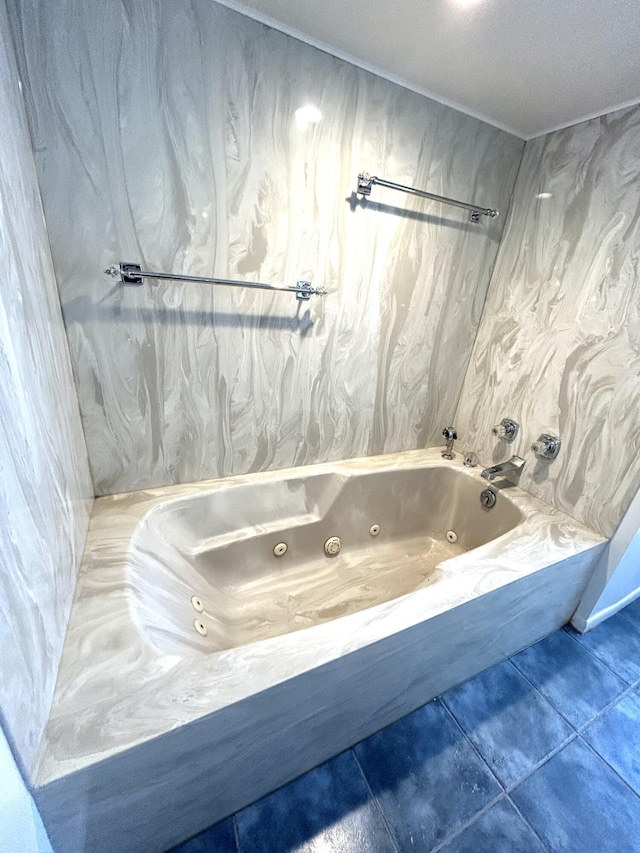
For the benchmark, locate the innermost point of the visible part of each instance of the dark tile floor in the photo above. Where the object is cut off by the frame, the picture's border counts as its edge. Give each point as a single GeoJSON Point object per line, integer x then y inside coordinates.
{"type": "Point", "coordinates": [540, 753]}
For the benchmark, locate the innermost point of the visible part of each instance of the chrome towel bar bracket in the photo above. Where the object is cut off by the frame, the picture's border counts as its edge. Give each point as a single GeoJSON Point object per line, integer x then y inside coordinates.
{"type": "Point", "coordinates": [367, 181]}
{"type": "Point", "coordinates": [134, 274]}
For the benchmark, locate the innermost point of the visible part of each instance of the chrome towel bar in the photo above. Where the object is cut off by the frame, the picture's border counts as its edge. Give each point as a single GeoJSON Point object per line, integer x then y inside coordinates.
{"type": "Point", "coordinates": [134, 274]}
{"type": "Point", "coordinates": [366, 182]}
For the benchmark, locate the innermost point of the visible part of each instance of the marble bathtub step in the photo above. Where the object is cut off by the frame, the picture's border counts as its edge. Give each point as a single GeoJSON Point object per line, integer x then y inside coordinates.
{"type": "Point", "coordinates": [249, 533]}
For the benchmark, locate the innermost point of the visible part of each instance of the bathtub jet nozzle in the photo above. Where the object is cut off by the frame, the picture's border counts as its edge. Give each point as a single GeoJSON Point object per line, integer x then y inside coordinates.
{"type": "Point", "coordinates": [332, 546]}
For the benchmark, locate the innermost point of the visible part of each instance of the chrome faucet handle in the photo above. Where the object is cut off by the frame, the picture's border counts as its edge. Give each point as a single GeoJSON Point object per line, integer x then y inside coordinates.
{"type": "Point", "coordinates": [450, 435]}
{"type": "Point", "coordinates": [547, 446]}
{"type": "Point", "coordinates": [507, 429]}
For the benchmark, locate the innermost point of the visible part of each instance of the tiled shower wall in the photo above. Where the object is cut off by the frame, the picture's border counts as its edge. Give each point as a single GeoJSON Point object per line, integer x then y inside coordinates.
{"type": "Point", "coordinates": [165, 133]}
{"type": "Point", "coordinates": [558, 348]}
{"type": "Point", "coordinates": [45, 488]}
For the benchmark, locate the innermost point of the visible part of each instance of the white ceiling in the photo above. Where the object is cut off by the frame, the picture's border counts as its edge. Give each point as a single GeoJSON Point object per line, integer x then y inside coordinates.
{"type": "Point", "coordinates": [528, 66]}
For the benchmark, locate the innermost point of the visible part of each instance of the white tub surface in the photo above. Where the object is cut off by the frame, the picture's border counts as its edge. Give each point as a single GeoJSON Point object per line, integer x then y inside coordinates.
{"type": "Point", "coordinates": [133, 671]}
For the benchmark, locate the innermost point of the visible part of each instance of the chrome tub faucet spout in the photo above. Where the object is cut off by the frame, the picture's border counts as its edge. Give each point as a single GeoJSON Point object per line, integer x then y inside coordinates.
{"type": "Point", "coordinates": [513, 465]}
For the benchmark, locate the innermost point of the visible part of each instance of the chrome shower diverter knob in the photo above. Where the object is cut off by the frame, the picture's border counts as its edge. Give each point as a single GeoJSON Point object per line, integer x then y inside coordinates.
{"type": "Point", "coordinates": [547, 446]}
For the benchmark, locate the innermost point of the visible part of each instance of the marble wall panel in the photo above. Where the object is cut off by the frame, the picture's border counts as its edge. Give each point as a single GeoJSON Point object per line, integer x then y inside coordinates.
{"type": "Point", "coordinates": [558, 347]}
{"type": "Point", "coordinates": [166, 133]}
{"type": "Point", "coordinates": [45, 487]}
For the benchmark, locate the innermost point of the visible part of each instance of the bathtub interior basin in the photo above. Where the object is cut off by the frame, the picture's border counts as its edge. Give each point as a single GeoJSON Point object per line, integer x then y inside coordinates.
{"type": "Point", "coordinates": [248, 562]}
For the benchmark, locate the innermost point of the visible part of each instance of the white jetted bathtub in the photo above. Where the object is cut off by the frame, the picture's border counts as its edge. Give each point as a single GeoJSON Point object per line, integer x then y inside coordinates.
{"type": "Point", "coordinates": [228, 636]}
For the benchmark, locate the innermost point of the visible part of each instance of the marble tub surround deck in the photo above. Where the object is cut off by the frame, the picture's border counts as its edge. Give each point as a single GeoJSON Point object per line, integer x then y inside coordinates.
{"type": "Point", "coordinates": [206, 733]}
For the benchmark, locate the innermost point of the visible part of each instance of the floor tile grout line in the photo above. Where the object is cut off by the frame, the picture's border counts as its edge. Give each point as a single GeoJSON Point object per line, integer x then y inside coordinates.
{"type": "Point", "coordinates": [593, 655]}
{"type": "Point", "coordinates": [579, 729]}
{"type": "Point", "coordinates": [511, 788]}
{"type": "Point", "coordinates": [376, 802]}
{"type": "Point", "coordinates": [613, 769]}
{"type": "Point", "coordinates": [543, 697]}
{"type": "Point", "coordinates": [501, 796]}
{"type": "Point", "coordinates": [605, 710]}
{"type": "Point", "coordinates": [622, 614]}
{"type": "Point", "coordinates": [477, 814]}
{"type": "Point", "coordinates": [236, 832]}
{"type": "Point", "coordinates": [628, 688]}
{"type": "Point", "coordinates": [526, 822]}
{"type": "Point", "coordinates": [470, 742]}
{"type": "Point", "coordinates": [571, 634]}
{"type": "Point", "coordinates": [577, 734]}
{"type": "Point", "coordinates": [508, 788]}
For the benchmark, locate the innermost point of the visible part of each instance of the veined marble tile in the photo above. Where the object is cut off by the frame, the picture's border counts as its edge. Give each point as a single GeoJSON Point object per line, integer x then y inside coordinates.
{"type": "Point", "coordinates": [558, 348]}
{"type": "Point", "coordinates": [45, 487]}
{"type": "Point", "coordinates": [166, 134]}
